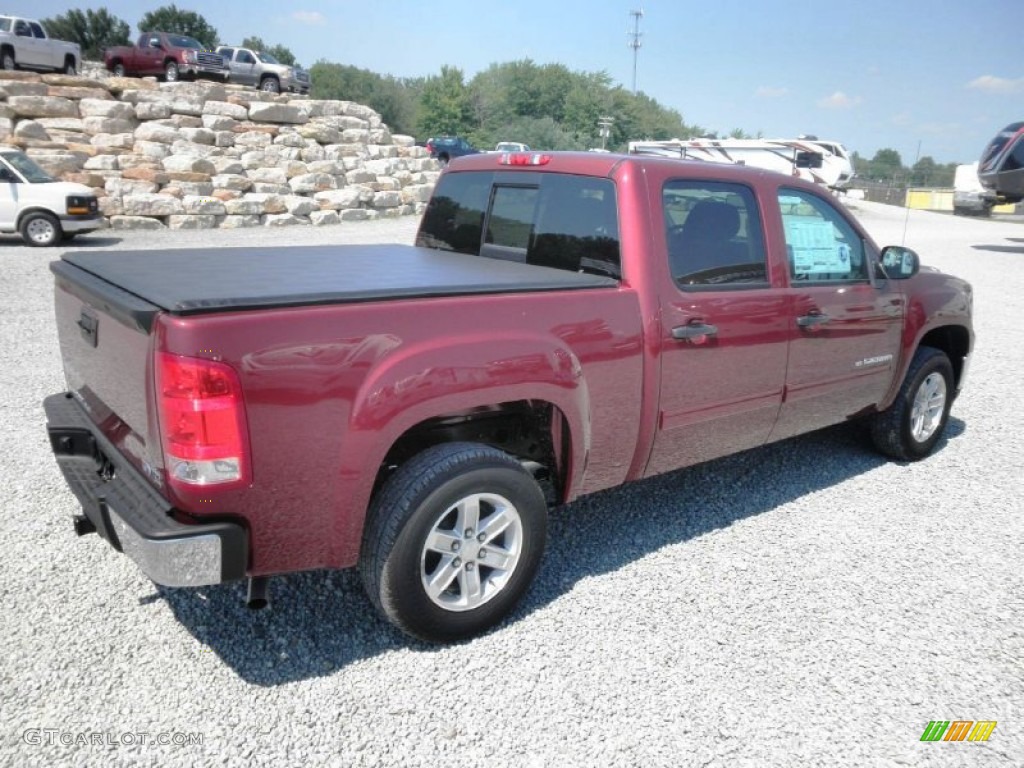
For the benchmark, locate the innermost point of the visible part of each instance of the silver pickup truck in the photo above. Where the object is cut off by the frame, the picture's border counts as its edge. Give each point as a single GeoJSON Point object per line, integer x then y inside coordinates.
{"type": "Point", "coordinates": [259, 68]}
{"type": "Point", "coordinates": [24, 44]}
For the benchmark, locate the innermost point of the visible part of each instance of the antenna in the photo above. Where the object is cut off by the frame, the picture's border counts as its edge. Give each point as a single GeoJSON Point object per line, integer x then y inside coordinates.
{"type": "Point", "coordinates": [906, 219]}
{"type": "Point", "coordinates": [634, 40]}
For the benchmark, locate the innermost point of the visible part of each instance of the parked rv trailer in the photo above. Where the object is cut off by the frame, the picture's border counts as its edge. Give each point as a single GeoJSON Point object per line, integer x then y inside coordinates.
{"type": "Point", "coordinates": [1002, 165]}
{"type": "Point", "coordinates": [822, 162]}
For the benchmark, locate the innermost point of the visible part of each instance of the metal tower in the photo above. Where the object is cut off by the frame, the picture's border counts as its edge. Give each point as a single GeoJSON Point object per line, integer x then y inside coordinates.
{"type": "Point", "coordinates": [634, 40]}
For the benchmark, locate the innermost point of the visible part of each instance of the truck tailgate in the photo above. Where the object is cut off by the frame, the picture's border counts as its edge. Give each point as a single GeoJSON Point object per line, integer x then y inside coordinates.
{"type": "Point", "coordinates": [106, 351]}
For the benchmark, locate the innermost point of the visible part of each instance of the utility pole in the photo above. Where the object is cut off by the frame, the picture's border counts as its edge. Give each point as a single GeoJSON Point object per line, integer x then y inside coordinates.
{"type": "Point", "coordinates": [634, 40]}
{"type": "Point", "coordinates": [604, 125]}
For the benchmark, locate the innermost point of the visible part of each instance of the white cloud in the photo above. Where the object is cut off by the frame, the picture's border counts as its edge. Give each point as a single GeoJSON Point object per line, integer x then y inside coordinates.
{"type": "Point", "coordinates": [994, 84]}
{"type": "Point", "coordinates": [768, 92]}
{"type": "Point", "coordinates": [839, 100]}
{"type": "Point", "coordinates": [902, 119]}
{"type": "Point", "coordinates": [309, 17]}
{"type": "Point", "coordinates": [940, 129]}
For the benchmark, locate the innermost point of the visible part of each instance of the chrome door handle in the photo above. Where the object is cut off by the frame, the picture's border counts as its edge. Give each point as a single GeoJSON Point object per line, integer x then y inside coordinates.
{"type": "Point", "coordinates": [693, 331]}
{"type": "Point", "coordinates": [815, 318]}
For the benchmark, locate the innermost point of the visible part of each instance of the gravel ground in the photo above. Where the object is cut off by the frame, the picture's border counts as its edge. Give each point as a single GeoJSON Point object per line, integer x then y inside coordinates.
{"type": "Point", "coordinates": [806, 604]}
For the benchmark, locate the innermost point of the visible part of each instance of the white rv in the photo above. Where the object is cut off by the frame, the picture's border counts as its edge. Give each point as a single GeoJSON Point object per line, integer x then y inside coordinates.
{"type": "Point", "coordinates": [822, 162]}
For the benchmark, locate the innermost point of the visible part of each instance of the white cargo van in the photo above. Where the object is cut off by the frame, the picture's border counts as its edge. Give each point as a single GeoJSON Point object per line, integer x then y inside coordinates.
{"type": "Point", "coordinates": [969, 197]}
{"type": "Point", "coordinates": [44, 211]}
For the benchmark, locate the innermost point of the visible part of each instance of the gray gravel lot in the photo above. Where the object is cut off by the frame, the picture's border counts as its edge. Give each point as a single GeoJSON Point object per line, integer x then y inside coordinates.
{"type": "Point", "coordinates": [805, 604]}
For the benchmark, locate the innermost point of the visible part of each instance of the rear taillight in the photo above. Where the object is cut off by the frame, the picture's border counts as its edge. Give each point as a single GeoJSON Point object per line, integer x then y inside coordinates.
{"type": "Point", "coordinates": [202, 421]}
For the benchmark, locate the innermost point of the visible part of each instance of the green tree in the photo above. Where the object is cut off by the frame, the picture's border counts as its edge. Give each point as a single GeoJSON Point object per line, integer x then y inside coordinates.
{"type": "Point", "coordinates": [887, 165]}
{"type": "Point", "coordinates": [396, 100]}
{"type": "Point", "coordinates": [445, 104]}
{"type": "Point", "coordinates": [584, 105]}
{"type": "Point", "coordinates": [928, 173]}
{"type": "Point", "coordinates": [92, 30]}
{"type": "Point", "coordinates": [170, 18]}
{"type": "Point", "coordinates": [279, 52]}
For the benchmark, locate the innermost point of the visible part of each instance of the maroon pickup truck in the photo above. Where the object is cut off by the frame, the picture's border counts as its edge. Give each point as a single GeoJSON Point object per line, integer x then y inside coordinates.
{"type": "Point", "coordinates": [565, 323]}
{"type": "Point", "coordinates": [170, 56]}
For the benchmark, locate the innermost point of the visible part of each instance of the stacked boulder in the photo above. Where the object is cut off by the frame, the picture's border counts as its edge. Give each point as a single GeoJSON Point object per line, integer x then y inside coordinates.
{"type": "Point", "coordinates": [204, 155]}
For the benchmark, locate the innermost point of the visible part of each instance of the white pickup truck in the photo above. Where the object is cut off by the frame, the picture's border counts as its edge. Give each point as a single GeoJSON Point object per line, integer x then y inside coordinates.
{"type": "Point", "coordinates": [24, 44]}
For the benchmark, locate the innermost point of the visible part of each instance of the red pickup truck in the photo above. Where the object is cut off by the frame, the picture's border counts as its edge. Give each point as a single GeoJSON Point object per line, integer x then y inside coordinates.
{"type": "Point", "coordinates": [565, 323]}
{"type": "Point", "coordinates": [166, 55]}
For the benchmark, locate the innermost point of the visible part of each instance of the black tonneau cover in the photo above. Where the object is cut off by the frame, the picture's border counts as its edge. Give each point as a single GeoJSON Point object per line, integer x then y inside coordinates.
{"type": "Point", "coordinates": [192, 281]}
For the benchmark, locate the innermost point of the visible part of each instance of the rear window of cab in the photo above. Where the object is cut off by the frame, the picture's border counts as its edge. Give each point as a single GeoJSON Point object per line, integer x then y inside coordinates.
{"type": "Point", "coordinates": [553, 220]}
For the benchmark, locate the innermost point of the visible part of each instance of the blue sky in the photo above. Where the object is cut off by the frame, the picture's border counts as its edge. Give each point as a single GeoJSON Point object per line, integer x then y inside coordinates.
{"type": "Point", "coordinates": [946, 73]}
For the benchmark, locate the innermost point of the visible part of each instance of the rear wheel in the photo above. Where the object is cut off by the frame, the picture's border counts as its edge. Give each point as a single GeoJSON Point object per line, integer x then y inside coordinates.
{"type": "Point", "coordinates": [909, 428]}
{"type": "Point", "coordinates": [40, 229]}
{"type": "Point", "coordinates": [453, 540]}
{"type": "Point", "coordinates": [119, 70]}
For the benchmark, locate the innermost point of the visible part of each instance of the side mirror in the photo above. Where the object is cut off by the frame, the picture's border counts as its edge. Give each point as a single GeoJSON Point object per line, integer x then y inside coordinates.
{"type": "Point", "coordinates": [899, 262]}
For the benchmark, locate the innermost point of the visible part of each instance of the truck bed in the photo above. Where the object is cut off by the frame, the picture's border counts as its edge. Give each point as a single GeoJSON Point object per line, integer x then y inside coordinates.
{"type": "Point", "coordinates": [193, 281]}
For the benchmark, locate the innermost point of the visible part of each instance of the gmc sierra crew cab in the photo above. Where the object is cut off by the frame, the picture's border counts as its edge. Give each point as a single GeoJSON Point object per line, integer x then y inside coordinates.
{"type": "Point", "coordinates": [565, 323]}
{"type": "Point", "coordinates": [166, 55]}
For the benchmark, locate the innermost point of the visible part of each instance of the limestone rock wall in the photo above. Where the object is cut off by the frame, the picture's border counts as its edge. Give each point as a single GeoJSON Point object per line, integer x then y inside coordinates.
{"type": "Point", "coordinates": [203, 155]}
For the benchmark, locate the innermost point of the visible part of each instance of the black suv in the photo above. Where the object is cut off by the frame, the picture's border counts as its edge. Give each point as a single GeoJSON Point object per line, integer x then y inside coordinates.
{"type": "Point", "coordinates": [445, 148]}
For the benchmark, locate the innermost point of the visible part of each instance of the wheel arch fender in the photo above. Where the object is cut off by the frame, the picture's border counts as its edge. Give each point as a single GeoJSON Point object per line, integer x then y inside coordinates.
{"type": "Point", "coordinates": [956, 339]}
{"type": "Point", "coordinates": [938, 314]}
{"type": "Point", "coordinates": [34, 209]}
{"type": "Point", "coordinates": [423, 381]}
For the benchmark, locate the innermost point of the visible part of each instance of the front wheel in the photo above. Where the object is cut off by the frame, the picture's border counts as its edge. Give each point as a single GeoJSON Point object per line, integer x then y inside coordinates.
{"type": "Point", "coordinates": [40, 229]}
{"type": "Point", "coordinates": [270, 85]}
{"type": "Point", "coordinates": [909, 428]}
{"type": "Point", "coordinates": [453, 540]}
{"type": "Point", "coordinates": [69, 67]}
{"type": "Point", "coordinates": [171, 73]}
{"type": "Point", "coordinates": [7, 60]}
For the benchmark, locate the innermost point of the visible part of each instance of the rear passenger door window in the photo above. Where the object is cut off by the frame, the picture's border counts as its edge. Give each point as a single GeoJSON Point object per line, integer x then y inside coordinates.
{"type": "Point", "coordinates": [714, 235]}
{"type": "Point", "coordinates": [821, 246]}
{"type": "Point", "coordinates": [551, 220]}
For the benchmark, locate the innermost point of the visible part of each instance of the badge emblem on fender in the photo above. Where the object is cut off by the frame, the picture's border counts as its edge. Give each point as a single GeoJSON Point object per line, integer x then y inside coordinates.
{"type": "Point", "coordinates": [870, 361]}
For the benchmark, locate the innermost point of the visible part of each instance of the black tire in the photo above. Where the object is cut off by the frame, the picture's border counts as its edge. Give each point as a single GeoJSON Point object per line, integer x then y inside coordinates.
{"type": "Point", "coordinates": [7, 59]}
{"type": "Point", "coordinates": [443, 160]}
{"type": "Point", "coordinates": [894, 430]}
{"type": "Point", "coordinates": [119, 70]}
{"type": "Point", "coordinates": [416, 504]}
{"type": "Point", "coordinates": [69, 66]}
{"type": "Point", "coordinates": [270, 84]}
{"type": "Point", "coordinates": [171, 72]}
{"type": "Point", "coordinates": [40, 229]}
